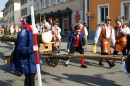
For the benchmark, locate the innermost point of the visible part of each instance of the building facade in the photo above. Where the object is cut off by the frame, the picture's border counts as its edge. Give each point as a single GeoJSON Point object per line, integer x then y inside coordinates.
{"type": "Point", "coordinates": [112, 8]}
{"type": "Point", "coordinates": [11, 12]}
{"type": "Point", "coordinates": [25, 7]}
{"type": "Point", "coordinates": [62, 11]}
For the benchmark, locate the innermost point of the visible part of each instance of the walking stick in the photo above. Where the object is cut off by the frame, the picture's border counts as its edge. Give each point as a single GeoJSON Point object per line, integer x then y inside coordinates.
{"type": "Point", "coordinates": [35, 43]}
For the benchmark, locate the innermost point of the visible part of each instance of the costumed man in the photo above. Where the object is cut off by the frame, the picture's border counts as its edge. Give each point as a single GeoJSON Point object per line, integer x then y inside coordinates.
{"type": "Point", "coordinates": [16, 29]}
{"type": "Point", "coordinates": [72, 28]}
{"type": "Point", "coordinates": [24, 60]}
{"type": "Point", "coordinates": [121, 32]}
{"type": "Point", "coordinates": [11, 30]}
{"type": "Point", "coordinates": [77, 16]}
{"type": "Point", "coordinates": [76, 42]}
{"type": "Point", "coordinates": [128, 40]}
{"type": "Point", "coordinates": [56, 34]}
{"type": "Point", "coordinates": [84, 31]}
{"type": "Point", "coordinates": [105, 33]}
{"type": "Point", "coordinates": [45, 26]}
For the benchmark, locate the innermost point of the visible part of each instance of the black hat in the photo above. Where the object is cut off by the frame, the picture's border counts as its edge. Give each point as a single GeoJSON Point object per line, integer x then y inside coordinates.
{"type": "Point", "coordinates": [76, 27]}
{"type": "Point", "coordinates": [29, 20]}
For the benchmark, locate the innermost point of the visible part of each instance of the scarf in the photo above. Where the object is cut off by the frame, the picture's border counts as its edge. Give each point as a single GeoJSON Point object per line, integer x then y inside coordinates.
{"type": "Point", "coordinates": [28, 27]}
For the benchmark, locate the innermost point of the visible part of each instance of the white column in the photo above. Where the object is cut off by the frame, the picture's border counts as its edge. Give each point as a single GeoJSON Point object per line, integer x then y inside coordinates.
{"type": "Point", "coordinates": [56, 1]}
{"type": "Point", "coordinates": [39, 2]}
{"type": "Point", "coordinates": [44, 3]}
{"type": "Point", "coordinates": [49, 2]}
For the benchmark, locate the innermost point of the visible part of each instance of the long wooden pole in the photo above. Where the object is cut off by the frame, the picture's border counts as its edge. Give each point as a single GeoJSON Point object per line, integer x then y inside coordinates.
{"type": "Point", "coordinates": [12, 38]}
{"type": "Point", "coordinates": [86, 56]}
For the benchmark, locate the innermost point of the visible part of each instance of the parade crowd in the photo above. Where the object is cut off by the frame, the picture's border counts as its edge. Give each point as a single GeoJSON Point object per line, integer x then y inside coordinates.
{"type": "Point", "coordinates": [24, 58]}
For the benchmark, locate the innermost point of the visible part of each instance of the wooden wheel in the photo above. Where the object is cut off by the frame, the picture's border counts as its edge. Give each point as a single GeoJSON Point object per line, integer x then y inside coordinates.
{"type": "Point", "coordinates": [53, 62]}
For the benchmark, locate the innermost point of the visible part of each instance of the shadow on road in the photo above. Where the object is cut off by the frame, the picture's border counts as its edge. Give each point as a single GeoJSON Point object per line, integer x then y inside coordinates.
{"type": "Point", "coordinates": [86, 80]}
{"type": "Point", "coordinates": [3, 83]}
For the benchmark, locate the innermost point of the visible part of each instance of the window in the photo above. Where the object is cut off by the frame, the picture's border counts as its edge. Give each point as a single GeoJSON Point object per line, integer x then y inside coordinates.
{"type": "Point", "coordinates": [23, 2]}
{"type": "Point", "coordinates": [52, 2]}
{"type": "Point", "coordinates": [125, 10]}
{"type": "Point", "coordinates": [24, 12]}
{"type": "Point", "coordinates": [47, 2]}
{"type": "Point", "coordinates": [58, 1]}
{"type": "Point", "coordinates": [103, 11]}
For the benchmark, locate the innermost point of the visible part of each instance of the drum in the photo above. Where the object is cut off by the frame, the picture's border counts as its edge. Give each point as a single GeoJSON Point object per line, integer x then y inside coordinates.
{"type": "Point", "coordinates": [46, 37]}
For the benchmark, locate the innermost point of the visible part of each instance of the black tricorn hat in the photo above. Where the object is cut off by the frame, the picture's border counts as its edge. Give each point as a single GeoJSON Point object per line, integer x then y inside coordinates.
{"type": "Point", "coordinates": [77, 27]}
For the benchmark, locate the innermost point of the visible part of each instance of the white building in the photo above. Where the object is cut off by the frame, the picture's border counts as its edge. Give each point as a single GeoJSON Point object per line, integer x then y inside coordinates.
{"type": "Point", "coordinates": [1, 14]}
{"type": "Point", "coordinates": [11, 12]}
{"type": "Point", "coordinates": [25, 7]}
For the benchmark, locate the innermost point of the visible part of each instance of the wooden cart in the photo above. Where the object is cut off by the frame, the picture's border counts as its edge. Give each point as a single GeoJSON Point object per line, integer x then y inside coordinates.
{"type": "Point", "coordinates": [45, 49]}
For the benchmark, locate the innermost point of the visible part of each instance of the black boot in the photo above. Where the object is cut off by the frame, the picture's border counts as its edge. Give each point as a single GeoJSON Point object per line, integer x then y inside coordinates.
{"type": "Point", "coordinates": [113, 62]}
{"type": "Point", "coordinates": [110, 64]}
{"type": "Point", "coordinates": [100, 62]}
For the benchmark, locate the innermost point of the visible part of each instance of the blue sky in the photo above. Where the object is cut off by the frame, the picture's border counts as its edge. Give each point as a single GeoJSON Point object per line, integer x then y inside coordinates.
{"type": "Point", "coordinates": [2, 4]}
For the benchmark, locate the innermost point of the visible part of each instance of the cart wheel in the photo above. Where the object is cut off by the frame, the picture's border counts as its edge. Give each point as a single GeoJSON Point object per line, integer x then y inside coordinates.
{"type": "Point", "coordinates": [53, 62]}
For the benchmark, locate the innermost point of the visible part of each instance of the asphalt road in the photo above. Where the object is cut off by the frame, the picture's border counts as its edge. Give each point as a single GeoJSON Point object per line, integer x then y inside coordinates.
{"type": "Point", "coordinates": [73, 75]}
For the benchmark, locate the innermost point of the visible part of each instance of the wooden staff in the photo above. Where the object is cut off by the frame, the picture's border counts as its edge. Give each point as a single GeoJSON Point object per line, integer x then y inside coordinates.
{"type": "Point", "coordinates": [36, 52]}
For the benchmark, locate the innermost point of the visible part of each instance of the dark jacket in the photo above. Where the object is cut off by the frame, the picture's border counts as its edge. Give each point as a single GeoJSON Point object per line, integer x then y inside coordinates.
{"type": "Point", "coordinates": [72, 39]}
{"type": "Point", "coordinates": [24, 57]}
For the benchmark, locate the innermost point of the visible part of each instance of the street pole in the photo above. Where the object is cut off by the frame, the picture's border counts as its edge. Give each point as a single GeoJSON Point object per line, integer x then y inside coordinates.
{"type": "Point", "coordinates": [35, 43]}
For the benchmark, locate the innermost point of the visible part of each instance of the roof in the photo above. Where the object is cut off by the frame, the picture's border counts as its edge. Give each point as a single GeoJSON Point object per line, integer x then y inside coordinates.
{"type": "Point", "coordinates": [58, 12]}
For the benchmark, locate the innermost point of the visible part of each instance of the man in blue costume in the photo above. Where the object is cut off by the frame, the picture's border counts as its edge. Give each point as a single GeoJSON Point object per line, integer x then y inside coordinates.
{"type": "Point", "coordinates": [76, 42]}
{"type": "Point", "coordinates": [23, 59]}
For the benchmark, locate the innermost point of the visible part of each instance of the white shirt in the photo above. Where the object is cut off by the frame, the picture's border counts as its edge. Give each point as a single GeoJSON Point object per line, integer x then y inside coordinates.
{"type": "Point", "coordinates": [11, 29]}
{"type": "Point", "coordinates": [124, 69]}
{"type": "Point", "coordinates": [125, 31]}
{"type": "Point", "coordinates": [59, 31]}
{"type": "Point", "coordinates": [85, 30]}
{"type": "Point", "coordinates": [47, 25]}
{"type": "Point", "coordinates": [108, 34]}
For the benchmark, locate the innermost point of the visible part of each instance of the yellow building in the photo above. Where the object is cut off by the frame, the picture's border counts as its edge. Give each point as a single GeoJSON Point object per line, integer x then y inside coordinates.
{"type": "Point", "coordinates": [113, 8]}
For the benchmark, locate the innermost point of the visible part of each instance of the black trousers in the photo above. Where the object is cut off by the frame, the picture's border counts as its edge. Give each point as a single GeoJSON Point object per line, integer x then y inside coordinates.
{"type": "Point", "coordinates": [78, 49]}
{"type": "Point", "coordinates": [123, 52]}
{"type": "Point", "coordinates": [29, 79]}
{"type": "Point", "coordinates": [100, 61]}
{"type": "Point", "coordinates": [81, 51]}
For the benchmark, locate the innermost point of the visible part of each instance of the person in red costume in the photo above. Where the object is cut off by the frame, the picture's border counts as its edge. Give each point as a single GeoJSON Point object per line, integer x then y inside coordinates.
{"type": "Point", "coordinates": [76, 42]}
{"type": "Point", "coordinates": [77, 16]}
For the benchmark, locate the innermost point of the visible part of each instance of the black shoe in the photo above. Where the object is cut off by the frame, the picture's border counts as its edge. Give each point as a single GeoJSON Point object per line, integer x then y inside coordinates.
{"type": "Point", "coordinates": [83, 66]}
{"type": "Point", "coordinates": [66, 65]}
{"type": "Point", "coordinates": [100, 62]}
{"type": "Point", "coordinates": [111, 64]}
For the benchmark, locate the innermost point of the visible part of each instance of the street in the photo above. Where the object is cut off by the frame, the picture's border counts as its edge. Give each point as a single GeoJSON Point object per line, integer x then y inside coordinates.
{"type": "Point", "coordinates": [73, 75]}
